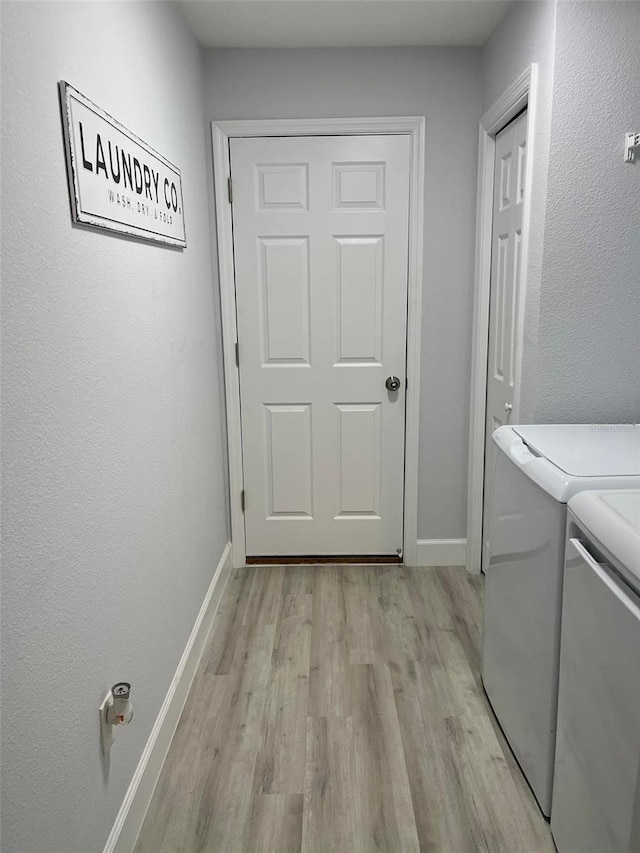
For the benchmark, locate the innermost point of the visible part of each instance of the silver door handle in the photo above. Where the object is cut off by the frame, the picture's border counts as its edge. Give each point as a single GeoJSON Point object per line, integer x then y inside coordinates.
{"type": "Point", "coordinates": [392, 383]}
{"type": "Point", "coordinates": [508, 407]}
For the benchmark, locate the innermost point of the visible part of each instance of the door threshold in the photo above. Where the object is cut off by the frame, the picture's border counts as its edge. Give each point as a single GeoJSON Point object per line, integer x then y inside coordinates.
{"type": "Point", "coordinates": [334, 558]}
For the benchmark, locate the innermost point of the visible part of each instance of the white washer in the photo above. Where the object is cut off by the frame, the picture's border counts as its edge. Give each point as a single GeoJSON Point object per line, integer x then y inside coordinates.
{"type": "Point", "coordinates": [535, 470]}
{"type": "Point", "coordinates": [596, 790]}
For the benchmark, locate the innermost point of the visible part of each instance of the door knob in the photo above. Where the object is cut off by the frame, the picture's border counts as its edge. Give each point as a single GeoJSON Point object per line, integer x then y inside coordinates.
{"type": "Point", "coordinates": [508, 407]}
{"type": "Point", "coordinates": [392, 383]}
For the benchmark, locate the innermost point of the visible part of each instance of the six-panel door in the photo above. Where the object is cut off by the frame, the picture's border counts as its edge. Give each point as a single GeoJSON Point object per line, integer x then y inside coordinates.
{"type": "Point", "coordinates": [320, 241]}
{"type": "Point", "coordinates": [504, 302]}
{"type": "Point", "coordinates": [506, 265]}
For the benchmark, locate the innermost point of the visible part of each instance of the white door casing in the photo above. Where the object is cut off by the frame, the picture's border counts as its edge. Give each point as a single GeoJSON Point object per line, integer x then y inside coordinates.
{"type": "Point", "coordinates": [506, 272]}
{"type": "Point", "coordinates": [320, 229]}
{"type": "Point", "coordinates": [521, 94]}
{"type": "Point", "coordinates": [221, 134]}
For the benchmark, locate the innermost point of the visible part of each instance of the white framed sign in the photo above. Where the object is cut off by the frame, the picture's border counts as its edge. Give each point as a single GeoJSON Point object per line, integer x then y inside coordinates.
{"type": "Point", "coordinates": [117, 181]}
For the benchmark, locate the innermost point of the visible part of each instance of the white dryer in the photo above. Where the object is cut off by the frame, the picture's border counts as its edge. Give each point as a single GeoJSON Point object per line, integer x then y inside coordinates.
{"type": "Point", "coordinates": [596, 789]}
{"type": "Point", "coordinates": [535, 470]}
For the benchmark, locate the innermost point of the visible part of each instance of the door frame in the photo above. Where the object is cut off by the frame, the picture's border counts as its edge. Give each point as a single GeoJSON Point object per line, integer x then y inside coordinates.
{"type": "Point", "coordinates": [522, 93]}
{"type": "Point", "coordinates": [222, 132]}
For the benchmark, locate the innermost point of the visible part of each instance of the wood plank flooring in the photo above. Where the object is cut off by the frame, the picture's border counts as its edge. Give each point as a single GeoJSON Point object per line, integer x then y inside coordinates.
{"type": "Point", "coordinates": [340, 708]}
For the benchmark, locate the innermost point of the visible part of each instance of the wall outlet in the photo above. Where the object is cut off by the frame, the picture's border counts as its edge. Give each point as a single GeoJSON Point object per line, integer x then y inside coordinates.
{"type": "Point", "coordinates": [116, 710]}
{"type": "Point", "coordinates": [631, 145]}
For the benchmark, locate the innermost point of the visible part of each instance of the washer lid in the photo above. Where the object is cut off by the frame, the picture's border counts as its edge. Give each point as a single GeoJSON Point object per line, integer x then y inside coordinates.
{"type": "Point", "coordinates": [586, 450]}
{"type": "Point", "coordinates": [613, 518]}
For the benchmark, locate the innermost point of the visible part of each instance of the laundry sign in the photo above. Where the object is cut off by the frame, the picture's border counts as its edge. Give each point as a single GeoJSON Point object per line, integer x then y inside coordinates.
{"type": "Point", "coordinates": [117, 181]}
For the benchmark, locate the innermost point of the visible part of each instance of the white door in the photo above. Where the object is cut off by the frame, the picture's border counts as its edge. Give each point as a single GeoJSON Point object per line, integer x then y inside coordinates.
{"type": "Point", "coordinates": [506, 264]}
{"type": "Point", "coordinates": [320, 229]}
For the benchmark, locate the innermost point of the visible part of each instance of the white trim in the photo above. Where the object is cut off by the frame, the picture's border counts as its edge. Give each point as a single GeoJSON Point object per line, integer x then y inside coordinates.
{"type": "Point", "coordinates": [522, 93]}
{"type": "Point", "coordinates": [510, 103]}
{"type": "Point", "coordinates": [414, 126]}
{"type": "Point", "coordinates": [226, 274]}
{"type": "Point", "coordinates": [320, 126]}
{"type": "Point", "coordinates": [124, 833]}
{"type": "Point", "coordinates": [441, 552]}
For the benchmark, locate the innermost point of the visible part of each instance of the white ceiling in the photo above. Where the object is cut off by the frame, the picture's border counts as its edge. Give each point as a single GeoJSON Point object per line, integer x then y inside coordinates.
{"type": "Point", "coordinates": [342, 23]}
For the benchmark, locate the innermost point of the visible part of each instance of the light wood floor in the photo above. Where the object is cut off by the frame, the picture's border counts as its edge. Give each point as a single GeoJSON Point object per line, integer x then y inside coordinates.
{"type": "Point", "coordinates": [340, 708]}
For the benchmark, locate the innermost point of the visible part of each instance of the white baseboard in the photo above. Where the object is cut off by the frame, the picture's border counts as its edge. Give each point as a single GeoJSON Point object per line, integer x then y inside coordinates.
{"type": "Point", "coordinates": [124, 833]}
{"type": "Point", "coordinates": [442, 552]}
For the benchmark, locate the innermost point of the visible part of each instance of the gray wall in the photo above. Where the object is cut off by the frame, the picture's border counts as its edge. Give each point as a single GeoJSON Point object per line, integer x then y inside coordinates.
{"type": "Point", "coordinates": [589, 329]}
{"type": "Point", "coordinates": [443, 84]}
{"type": "Point", "coordinates": [114, 510]}
{"type": "Point", "coordinates": [581, 357]}
{"type": "Point", "coordinates": [527, 35]}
